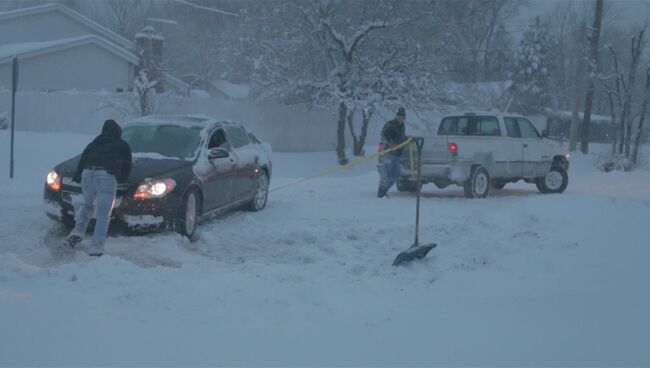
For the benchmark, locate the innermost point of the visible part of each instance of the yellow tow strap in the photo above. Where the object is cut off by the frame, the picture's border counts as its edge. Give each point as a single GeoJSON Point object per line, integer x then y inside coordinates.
{"type": "Point", "coordinates": [347, 166]}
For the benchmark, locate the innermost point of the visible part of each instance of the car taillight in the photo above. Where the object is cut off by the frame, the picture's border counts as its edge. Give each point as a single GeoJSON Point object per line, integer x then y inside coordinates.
{"type": "Point", "coordinates": [453, 147]}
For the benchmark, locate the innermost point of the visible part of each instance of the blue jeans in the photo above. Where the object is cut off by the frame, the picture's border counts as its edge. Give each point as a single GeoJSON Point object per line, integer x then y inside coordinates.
{"type": "Point", "coordinates": [98, 188]}
{"type": "Point", "coordinates": [388, 170]}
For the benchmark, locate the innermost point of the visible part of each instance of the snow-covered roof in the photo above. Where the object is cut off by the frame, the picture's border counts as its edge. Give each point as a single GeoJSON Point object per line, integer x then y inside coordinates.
{"type": "Point", "coordinates": [496, 88]}
{"type": "Point", "coordinates": [98, 28]}
{"type": "Point", "coordinates": [31, 49]}
{"type": "Point", "coordinates": [567, 115]}
{"type": "Point", "coordinates": [234, 91]}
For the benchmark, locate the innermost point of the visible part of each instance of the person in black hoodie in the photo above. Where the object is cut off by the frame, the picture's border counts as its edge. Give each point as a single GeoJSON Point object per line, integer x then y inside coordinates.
{"type": "Point", "coordinates": [105, 162]}
{"type": "Point", "coordinates": [392, 135]}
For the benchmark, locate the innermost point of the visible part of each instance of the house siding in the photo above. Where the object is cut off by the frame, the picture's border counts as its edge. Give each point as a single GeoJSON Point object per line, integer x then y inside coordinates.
{"type": "Point", "coordinates": [85, 68]}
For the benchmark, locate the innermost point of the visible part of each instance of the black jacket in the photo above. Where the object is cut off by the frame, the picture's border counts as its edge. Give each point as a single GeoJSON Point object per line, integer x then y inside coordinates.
{"type": "Point", "coordinates": [393, 134]}
{"type": "Point", "coordinates": [109, 151]}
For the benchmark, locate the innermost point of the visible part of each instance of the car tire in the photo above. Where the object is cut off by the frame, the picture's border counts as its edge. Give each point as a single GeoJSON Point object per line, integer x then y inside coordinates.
{"type": "Point", "coordinates": [188, 215]}
{"type": "Point", "coordinates": [407, 186]}
{"type": "Point", "coordinates": [498, 185]}
{"type": "Point", "coordinates": [478, 184]}
{"type": "Point", "coordinates": [261, 193]}
{"type": "Point", "coordinates": [555, 181]}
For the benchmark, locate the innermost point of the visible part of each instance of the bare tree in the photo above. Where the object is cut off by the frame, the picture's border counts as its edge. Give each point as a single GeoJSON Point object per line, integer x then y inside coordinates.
{"type": "Point", "coordinates": [594, 36]}
{"type": "Point", "coordinates": [125, 17]}
{"type": "Point", "coordinates": [644, 110]}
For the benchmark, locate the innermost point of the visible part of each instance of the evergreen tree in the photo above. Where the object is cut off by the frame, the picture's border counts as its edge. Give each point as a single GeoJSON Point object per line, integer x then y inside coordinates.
{"type": "Point", "coordinates": [531, 89]}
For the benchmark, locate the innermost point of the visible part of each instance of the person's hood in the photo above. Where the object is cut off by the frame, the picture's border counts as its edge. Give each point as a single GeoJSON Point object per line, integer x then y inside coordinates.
{"type": "Point", "coordinates": [111, 131]}
{"type": "Point", "coordinates": [111, 128]}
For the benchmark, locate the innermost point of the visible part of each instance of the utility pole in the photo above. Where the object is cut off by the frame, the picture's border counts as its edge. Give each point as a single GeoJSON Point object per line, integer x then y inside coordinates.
{"type": "Point", "coordinates": [14, 87]}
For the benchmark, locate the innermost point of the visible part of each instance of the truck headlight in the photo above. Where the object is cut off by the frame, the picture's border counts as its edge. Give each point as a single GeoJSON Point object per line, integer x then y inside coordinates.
{"type": "Point", "coordinates": [154, 189]}
{"type": "Point", "coordinates": [53, 180]}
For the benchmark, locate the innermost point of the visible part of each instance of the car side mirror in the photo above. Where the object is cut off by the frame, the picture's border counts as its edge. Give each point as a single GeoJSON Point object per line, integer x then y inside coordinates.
{"type": "Point", "coordinates": [545, 133]}
{"type": "Point", "coordinates": [216, 153]}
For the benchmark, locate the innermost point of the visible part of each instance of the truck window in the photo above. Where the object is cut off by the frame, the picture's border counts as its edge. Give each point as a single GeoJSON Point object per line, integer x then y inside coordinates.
{"type": "Point", "coordinates": [512, 128]}
{"type": "Point", "coordinates": [470, 125]}
{"type": "Point", "coordinates": [527, 129]}
{"type": "Point", "coordinates": [448, 126]}
{"type": "Point", "coordinates": [490, 126]}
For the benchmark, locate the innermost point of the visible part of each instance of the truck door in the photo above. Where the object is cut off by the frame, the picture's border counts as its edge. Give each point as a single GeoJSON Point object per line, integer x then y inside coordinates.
{"type": "Point", "coordinates": [515, 146]}
{"type": "Point", "coordinates": [534, 160]}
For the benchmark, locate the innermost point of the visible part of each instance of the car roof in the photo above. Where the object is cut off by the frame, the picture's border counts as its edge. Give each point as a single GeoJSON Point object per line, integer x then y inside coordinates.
{"type": "Point", "coordinates": [189, 121]}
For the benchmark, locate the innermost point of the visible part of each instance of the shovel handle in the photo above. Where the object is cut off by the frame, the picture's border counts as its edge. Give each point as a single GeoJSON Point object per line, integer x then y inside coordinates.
{"type": "Point", "coordinates": [419, 143]}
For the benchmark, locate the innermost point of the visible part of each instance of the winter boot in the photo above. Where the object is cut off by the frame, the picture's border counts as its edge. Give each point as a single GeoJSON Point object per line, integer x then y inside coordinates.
{"type": "Point", "coordinates": [71, 241]}
{"type": "Point", "coordinates": [95, 251]}
{"type": "Point", "coordinates": [382, 192]}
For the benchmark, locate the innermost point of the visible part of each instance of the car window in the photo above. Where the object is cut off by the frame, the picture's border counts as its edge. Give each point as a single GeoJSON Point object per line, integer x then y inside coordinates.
{"type": "Point", "coordinates": [167, 140]}
{"type": "Point", "coordinates": [490, 126]}
{"type": "Point", "coordinates": [218, 139]}
{"type": "Point", "coordinates": [238, 136]}
{"type": "Point", "coordinates": [527, 129]}
{"type": "Point", "coordinates": [253, 138]}
{"type": "Point", "coordinates": [512, 128]}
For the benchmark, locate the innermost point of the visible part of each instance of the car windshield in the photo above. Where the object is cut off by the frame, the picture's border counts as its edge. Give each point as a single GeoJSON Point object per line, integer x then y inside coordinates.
{"type": "Point", "coordinates": [168, 141]}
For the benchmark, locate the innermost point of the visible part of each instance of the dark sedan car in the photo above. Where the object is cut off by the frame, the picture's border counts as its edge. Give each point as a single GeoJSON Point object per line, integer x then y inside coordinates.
{"type": "Point", "coordinates": [185, 168]}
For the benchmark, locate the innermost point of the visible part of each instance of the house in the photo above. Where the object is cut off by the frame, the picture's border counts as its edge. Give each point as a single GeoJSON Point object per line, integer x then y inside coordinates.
{"type": "Point", "coordinates": [60, 49]}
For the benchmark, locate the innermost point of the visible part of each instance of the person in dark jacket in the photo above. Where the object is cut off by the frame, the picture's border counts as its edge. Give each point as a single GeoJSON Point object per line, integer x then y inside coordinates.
{"type": "Point", "coordinates": [105, 162]}
{"type": "Point", "coordinates": [392, 135]}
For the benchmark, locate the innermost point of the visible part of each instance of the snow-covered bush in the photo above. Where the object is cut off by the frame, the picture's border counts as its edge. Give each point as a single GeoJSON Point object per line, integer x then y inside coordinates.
{"type": "Point", "coordinates": [615, 162]}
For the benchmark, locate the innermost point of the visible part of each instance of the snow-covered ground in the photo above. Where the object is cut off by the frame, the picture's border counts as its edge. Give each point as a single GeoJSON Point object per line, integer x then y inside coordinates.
{"type": "Point", "coordinates": [517, 279]}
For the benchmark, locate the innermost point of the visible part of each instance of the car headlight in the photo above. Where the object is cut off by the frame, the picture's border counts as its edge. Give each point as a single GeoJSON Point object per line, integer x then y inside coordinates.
{"type": "Point", "coordinates": [154, 189]}
{"type": "Point", "coordinates": [53, 180]}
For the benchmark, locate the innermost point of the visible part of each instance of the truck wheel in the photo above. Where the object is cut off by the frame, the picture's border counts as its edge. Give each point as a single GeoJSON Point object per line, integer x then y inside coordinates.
{"type": "Point", "coordinates": [407, 186]}
{"type": "Point", "coordinates": [555, 181]}
{"type": "Point", "coordinates": [188, 215]}
{"type": "Point", "coordinates": [478, 184]}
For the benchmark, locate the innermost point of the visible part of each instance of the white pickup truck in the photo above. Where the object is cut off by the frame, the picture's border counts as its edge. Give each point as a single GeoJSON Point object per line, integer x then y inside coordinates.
{"type": "Point", "coordinates": [479, 151]}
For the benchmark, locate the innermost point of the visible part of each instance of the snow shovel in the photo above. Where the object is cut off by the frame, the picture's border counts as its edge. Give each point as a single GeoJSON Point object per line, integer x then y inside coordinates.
{"type": "Point", "coordinates": [417, 250]}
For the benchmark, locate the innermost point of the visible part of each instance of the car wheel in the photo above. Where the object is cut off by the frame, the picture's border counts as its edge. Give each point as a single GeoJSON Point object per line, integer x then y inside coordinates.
{"type": "Point", "coordinates": [555, 181]}
{"type": "Point", "coordinates": [407, 186]}
{"type": "Point", "coordinates": [498, 185]}
{"type": "Point", "coordinates": [188, 215]}
{"type": "Point", "coordinates": [478, 184]}
{"type": "Point", "coordinates": [261, 193]}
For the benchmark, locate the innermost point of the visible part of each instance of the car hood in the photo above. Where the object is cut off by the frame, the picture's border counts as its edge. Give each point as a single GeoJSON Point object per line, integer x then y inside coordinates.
{"type": "Point", "coordinates": [142, 168]}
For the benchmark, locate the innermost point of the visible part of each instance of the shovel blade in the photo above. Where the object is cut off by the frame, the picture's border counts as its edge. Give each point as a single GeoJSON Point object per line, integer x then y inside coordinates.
{"type": "Point", "coordinates": [416, 251]}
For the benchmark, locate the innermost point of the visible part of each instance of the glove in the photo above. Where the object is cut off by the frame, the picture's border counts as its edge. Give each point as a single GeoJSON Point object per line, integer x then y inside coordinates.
{"type": "Point", "coordinates": [76, 178]}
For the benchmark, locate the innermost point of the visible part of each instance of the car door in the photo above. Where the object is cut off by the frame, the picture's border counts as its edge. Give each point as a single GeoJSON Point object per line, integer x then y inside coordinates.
{"type": "Point", "coordinates": [515, 146]}
{"type": "Point", "coordinates": [220, 173]}
{"type": "Point", "coordinates": [244, 175]}
{"type": "Point", "coordinates": [534, 159]}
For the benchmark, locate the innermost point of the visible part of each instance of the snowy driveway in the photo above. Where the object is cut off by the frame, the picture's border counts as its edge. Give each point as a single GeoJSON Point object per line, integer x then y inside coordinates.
{"type": "Point", "coordinates": [517, 279]}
